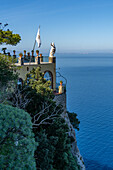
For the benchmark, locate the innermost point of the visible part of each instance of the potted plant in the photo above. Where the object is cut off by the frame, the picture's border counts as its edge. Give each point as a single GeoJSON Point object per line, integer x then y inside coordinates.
{"type": "Point", "coordinates": [61, 88]}
{"type": "Point", "coordinates": [20, 54]}
{"type": "Point", "coordinates": [14, 52]}
{"type": "Point", "coordinates": [28, 53]}
{"type": "Point", "coordinates": [4, 50]}
{"type": "Point", "coordinates": [24, 52]}
{"type": "Point", "coordinates": [37, 52]}
{"type": "Point", "coordinates": [41, 58]}
{"type": "Point", "coordinates": [61, 82]}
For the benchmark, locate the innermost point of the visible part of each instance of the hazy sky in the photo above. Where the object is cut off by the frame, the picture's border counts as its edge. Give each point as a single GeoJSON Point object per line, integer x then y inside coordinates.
{"type": "Point", "coordinates": [74, 25]}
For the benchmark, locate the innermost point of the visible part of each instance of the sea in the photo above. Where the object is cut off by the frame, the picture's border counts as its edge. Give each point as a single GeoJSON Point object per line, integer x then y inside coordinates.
{"type": "Point", "coordinates": [89, 79]}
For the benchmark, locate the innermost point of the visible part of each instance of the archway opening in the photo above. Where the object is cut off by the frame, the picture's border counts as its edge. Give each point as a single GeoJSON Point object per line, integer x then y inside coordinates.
{"type": "Point", "coordinates": [49, 76]}
{"type": "Point", "coordinates": [20, 82]}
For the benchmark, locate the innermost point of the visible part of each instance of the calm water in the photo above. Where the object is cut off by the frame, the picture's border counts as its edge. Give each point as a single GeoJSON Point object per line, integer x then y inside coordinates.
{"type": "Point", "coordinates": [90, 95]}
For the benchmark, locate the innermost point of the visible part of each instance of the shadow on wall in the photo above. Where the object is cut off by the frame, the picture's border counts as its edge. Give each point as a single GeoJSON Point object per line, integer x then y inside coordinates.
{"type": "Point", "coordinates": [94, 165]}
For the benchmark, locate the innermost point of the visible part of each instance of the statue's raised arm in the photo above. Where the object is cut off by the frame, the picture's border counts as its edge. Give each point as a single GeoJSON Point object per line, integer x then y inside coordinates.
{"type": "Point", "coordinates": [52, 50]}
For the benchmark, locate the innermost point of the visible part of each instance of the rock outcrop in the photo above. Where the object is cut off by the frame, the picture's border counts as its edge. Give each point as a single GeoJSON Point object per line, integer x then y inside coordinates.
{"type": "Point", "coordinates": [61, 99]}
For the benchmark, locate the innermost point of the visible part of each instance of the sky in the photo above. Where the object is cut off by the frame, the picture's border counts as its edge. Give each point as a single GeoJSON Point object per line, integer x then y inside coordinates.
{"type": "Point", "coordinates": [73, 25]}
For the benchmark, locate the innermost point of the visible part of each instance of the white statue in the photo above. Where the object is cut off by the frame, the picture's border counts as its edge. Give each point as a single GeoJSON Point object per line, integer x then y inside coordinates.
{"type": "Point", "coordinates": [36, 59]}
{"type": "Point", "coordinates": [19, 60]}
{"type": "Point", "coordinates": [52, 50]}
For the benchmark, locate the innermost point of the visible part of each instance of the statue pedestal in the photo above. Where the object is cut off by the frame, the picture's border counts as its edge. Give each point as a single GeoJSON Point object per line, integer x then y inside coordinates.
{"type": "Point", "coordinates": [37, 60]}
{"type": "Point", "coordinates": [52, 59]}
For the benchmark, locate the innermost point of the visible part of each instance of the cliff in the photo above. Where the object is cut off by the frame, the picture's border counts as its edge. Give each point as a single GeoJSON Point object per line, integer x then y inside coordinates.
{"type": "Point", "coordinates": [61, 99]}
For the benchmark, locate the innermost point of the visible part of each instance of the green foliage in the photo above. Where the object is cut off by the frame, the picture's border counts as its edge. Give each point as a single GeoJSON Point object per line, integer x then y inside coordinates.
{"type": "Point", "coordinates": [37, 51]}
{"type": "Point", "coordinates": [45, 151]}
{"type": "Point", "coordinates": [20, 54]}
{"type": "Point", "coordinates": [54, 149]}
{"type": "Point", "coordinates": [61, 81]}
{"type": "Point", "coordinates": [74, 120]}
{"type": "Point", "coordinates": [63, 158]}
{"type": "Point", "coordinates": [37, 82]}
{"type": "Point", "coordinates": [33, 100]}
{"type": "Point", "coordinates": [17, 144]}
{"type": "Point", "coordinates": [7, 77]}
{"type": "Point", "coordinates": [37, 92]}
{"type": "Point", "coordinates": [8, 37]}
{"type": "Point", "coordinates": [6, 69]}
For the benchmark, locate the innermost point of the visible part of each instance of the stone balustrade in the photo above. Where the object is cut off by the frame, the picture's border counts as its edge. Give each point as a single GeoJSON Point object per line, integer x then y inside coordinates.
{"type": "Point", "coordinates": [30, 59]}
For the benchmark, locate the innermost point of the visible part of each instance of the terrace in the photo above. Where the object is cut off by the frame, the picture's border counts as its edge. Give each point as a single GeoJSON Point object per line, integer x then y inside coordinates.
{"type": "Point", "coordinates": [27, 62]}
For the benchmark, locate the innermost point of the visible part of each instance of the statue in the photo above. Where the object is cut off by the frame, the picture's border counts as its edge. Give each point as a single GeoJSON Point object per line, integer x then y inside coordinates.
{"type": "Point", "coordinates": [36, 59]}
{"type": "Point", "coordinates": [61, 88]}
{"type": "Point", "coordinates": [19, 60]}
{"type": "Point", "coordinates": [52, 50]}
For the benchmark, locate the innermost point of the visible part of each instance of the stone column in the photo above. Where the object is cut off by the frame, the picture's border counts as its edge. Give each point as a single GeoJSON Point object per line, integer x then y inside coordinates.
{"type": "Point", "coordinates": [19, 60]}
{"type": "Point", "coordinates": [24, 54]}
{"type": "Point", "coordinates": [32, 55]}
{"type": "Point", "coordinates": [41, 58]}
{"type": "Point", "coordinates": [52, 59]}
{"type": "Point", "coordinates": [14, 56]}
{"type": "Point", "coordinates": [28, 55]}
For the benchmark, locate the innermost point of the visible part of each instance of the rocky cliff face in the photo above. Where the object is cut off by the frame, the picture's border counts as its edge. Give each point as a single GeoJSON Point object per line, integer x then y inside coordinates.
{"type": "Point", "coordinates": [61, 99]}
{"type": "Point", "coordinates": [75, 150]}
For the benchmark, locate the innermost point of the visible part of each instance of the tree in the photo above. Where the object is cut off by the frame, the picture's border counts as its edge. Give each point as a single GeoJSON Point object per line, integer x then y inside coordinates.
{"type": "Point", "coordinates": [8, 78]}
{"type": "Point", "coordinates": [22, 99]}
{"type": "Point", "coordinates": [63, 158]}
{"type": "Point", "coordinates": [17, 143]}
{"type": "Point", "coordinates": [7, 68]}
{"type": "Point", "coordinates": [7, 36]}
{"type": "Point", "coordinates": [36, 80]}
{"type": "Point", "coordinates": [74, 120]}
{"type": "Point", "coordinates": [7, 63]}
{"type": "Point", "coordinates": [44, 153]}
{"type": "Point", "coordinates": [36, 90]}
{"type": "Point", "coordinates": [50, 129]}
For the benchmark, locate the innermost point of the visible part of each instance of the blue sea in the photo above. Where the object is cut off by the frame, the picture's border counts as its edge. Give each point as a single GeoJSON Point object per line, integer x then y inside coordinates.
{"type": "Point", "coordinates": [90, 95]}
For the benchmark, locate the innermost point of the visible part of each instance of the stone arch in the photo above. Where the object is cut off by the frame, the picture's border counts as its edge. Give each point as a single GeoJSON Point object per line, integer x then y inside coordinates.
{"type": "Point", "coordinates": [20, 82]}
{"type": "Point", "coordinates": [27, 68]}
{"type": "Point", "coordinates": [49, 76]}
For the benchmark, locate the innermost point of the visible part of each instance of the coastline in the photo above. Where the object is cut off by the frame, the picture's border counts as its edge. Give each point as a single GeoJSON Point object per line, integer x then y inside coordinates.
{"type": "Point", "coordinates": [61, 99]}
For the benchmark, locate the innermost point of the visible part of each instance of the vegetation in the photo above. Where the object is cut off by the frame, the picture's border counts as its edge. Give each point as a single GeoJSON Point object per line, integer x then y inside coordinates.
{"type": "Point", "coordinates": [37, 51]}
{"type": "Point", "coordinates": [7, 78]}
{"type": "Point", "coordinates": [35, 79]}
{"type": "Point", "coordinates": [74, 120]}
{"type": "Point", "coordinates": [61, 81]}
{"type": "Point", "coordinates": [17, 143]}
{"type": "Point", "coordinates": [20, 54]}
{"type": "Point", "coordinates": [6, 70]}
{"type": "Point", "coordinates": [63, 158]}
{"type": "Point", "coordinates": [32, 101]}
{"type": "Point", "coordinates": [4, 50]}
{"type": "Point", "coordinates": [7, 36]}
{"type": "Point", "coordinates": [50, 129]}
